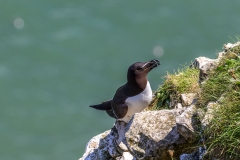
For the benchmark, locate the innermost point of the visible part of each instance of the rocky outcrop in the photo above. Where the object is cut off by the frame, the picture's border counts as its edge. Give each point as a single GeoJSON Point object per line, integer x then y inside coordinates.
{"type": "Point", "coordinates": [161, 134]}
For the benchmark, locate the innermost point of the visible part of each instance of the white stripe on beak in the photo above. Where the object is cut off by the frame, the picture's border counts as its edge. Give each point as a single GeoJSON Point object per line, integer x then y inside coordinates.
{"type": "Point", "coordinates": [155, 62]}
{"type": "Point", "coordinates": [145, 64]}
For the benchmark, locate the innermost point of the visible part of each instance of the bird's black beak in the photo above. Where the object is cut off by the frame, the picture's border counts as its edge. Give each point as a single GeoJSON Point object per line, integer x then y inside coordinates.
{"type": "Point", "coordinates": [151, 64]}
{"type": "Point", "coordinates": [154, 63]}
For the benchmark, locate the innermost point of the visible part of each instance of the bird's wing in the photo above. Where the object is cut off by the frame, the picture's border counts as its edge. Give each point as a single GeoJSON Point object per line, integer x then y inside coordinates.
{"type": "Point", "coordinates": [120, 88]}
{"type": "Point", "coordinates": [111, 113]}
{"type": "Point", "coordinates": [103, 106]}
{"type": "Point", "coordinates": [120, 110]}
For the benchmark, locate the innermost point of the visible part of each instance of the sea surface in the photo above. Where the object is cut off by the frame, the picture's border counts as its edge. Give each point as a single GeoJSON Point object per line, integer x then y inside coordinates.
{"type": "Point", "coordinates": [57, 57]}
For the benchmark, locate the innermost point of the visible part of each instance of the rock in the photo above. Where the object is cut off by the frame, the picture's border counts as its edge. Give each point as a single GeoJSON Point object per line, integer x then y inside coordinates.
{"type": "Point", "coordinates": [230, 45]}
{"type": "Point", "coordinates": [147, 133]}
{"type": "Point", "coordinates": [209, 114]}
{"type": "Point", "coordinates": [220, 55]}
{"type": "Point", "coordinates": [204, 65]}
{"type": "Point", "coordinates": [126, 156]}
{"type": "Point", "coordinates": [187, 124]}
{"type": "Point", "coordinates": [188, 99]}
{"type": "Point", "coordinates": [102, 147]}
{"type": "Point", "coordinates": [179, 106]}
{"type": "Point", "coordinates": [173, 101]}
{"type": "Point", "coordinates": [196, 155]}
{"type": "Point", "coordinates": [228, 48]}
{"type": "Point", "coordinates": [163, 134]}
{"type": "Point", "coordinates": [156, 134]}
{"type": "Point", "coordinates": [94, 148]}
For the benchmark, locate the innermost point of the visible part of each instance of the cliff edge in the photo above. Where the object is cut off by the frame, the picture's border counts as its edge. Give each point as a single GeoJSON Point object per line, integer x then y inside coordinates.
{"type": "Point", "coordinates": [194, 115]}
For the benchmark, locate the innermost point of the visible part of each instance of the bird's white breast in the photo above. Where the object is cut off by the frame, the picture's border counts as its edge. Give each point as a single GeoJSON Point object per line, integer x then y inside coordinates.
{"type": "Point", "coordinates": [138, 103]}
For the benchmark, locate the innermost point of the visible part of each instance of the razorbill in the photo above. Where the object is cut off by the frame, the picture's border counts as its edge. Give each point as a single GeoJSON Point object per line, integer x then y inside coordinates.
{"type": "Point", "coordinates": [132, 97]}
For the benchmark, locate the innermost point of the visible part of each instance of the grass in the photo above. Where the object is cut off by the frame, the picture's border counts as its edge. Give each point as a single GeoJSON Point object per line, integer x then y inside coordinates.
{"type": "Point", "coordinates": [222, 136]}
{"type": "Point", "coordinates": [182, 81]}
{"type": "Point", "coordinates": [219, 82]}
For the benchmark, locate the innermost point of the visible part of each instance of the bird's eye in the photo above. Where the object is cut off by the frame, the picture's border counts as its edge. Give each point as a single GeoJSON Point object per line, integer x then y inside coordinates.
{"type": "Point", "coordinates": [139, 68]}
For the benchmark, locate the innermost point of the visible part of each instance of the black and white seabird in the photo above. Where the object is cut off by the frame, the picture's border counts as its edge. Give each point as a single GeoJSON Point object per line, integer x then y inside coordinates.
{"type": "Point", "coordinates": [132, 97]}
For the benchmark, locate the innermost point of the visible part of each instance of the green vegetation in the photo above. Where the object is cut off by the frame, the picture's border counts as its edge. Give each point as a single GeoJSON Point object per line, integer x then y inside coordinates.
{"type": "Point", "coordinates": [183, 81]}
{"type": "Point", "coordinates": [223, 133]}
{"type": "Point", "coordinates": [222, 136]}
{"type": "Point", "coordinates": [221, 81]}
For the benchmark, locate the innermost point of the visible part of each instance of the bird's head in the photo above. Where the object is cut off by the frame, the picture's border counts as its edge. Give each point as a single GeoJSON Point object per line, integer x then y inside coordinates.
{"type": "Point", "coordinates": [139, 70]}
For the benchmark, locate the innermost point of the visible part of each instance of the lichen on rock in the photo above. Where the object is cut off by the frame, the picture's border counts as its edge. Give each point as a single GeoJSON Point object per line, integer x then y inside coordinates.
{"type": "Point", "coordinates": [150, 134]}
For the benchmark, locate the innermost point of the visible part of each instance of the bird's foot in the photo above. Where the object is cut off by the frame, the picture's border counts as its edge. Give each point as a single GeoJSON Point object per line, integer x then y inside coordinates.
{"type": "Point", "coordinates": [121, 129]}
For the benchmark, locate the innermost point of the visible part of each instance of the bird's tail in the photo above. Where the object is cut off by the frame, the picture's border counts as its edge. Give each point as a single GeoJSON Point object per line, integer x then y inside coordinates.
{"type": "Point", "coordinates": [103, 106]}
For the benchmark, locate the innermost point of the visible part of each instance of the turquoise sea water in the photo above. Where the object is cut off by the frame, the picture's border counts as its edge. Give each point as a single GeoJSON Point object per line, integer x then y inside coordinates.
{"type": "Point", "coordinates": [58, 57]}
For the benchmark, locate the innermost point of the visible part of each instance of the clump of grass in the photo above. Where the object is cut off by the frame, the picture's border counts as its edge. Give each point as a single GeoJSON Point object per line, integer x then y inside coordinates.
{"type": "Point", "coordinates": [217, 83]}
{"type": "Point", "coordinates": [182, 81]}
{"type": "Point", "coordinates": [223, 133]}
{"type": "Point", "coordinates": [221, 80]}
